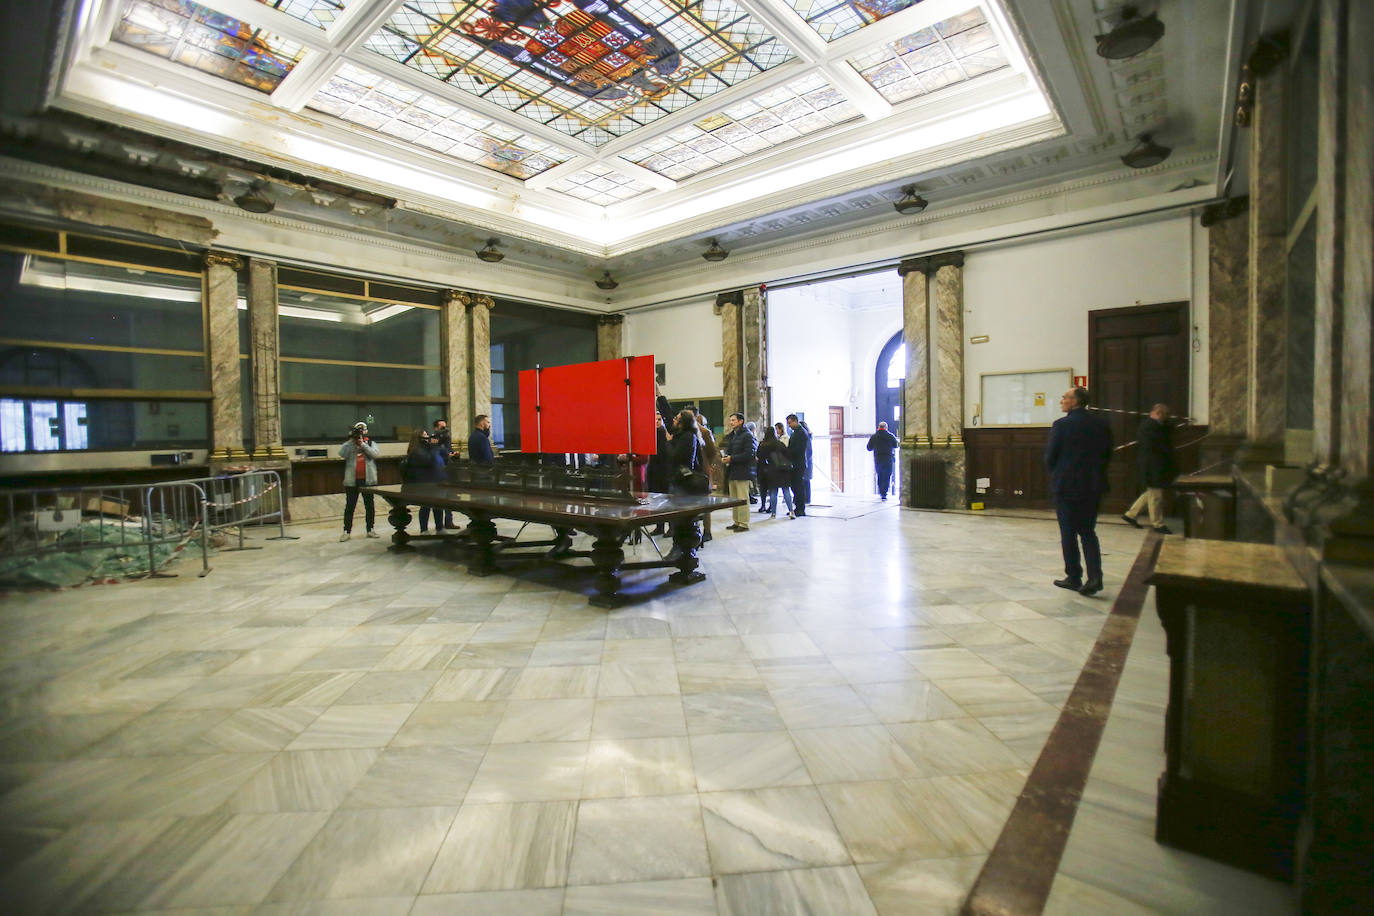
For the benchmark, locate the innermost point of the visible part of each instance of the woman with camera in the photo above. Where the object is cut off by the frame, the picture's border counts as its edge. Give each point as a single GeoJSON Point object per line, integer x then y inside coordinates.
{"type": "Point", "coordinates": [360, 470]}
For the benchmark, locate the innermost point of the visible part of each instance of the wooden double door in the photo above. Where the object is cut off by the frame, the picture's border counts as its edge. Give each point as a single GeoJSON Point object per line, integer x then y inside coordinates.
{"type": "Point", "coordinates": [1137, 357]}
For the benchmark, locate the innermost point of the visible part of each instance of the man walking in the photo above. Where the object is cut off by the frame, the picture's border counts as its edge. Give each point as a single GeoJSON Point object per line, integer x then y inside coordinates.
{"type": "Point", "coordinates": [740, 448]}
{"type": "Point", "coordinates": [1080, 446]}
{"type": "Point", "coordinates": [479, 442]}
{"type": "Point", "coordinates": [1154, 442]}
{"type": "Point", "coordinates": [883, 444]}
{"type": "Point", "coordinates": [799, 450]}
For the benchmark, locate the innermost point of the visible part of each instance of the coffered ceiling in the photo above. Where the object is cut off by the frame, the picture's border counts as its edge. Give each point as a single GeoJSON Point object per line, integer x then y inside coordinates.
{"type": "Point", "coordinates": [623, 134]}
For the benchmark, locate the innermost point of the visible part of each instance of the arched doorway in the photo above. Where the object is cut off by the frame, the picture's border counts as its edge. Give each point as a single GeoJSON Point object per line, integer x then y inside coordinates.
{"type": "Point", "coordinates": [889, 382]}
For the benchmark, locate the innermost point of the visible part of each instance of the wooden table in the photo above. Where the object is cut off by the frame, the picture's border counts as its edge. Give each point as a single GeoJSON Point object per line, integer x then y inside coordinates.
{"type": "Point", "coordinates": [608, 521]}
{"type": "Point", "coordinates": [1236, 618]}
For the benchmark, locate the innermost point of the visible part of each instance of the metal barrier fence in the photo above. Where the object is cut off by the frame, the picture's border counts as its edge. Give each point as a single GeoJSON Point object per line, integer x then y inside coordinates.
{"type": "Point", "coordinates": [129, 522]}
{"type": "Point", "coordinates": [121, 522]}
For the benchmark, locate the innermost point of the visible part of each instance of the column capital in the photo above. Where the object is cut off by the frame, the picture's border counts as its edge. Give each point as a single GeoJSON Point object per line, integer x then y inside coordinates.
{"type": "Point", "coordinates": [734, 297]}
{"type": "Point", "coordinates": [913, 266]}
{"type": "Point", "coordinates": [222, 259]}
{"type": "Point", "coordinates": [947, 259]}
{"type": "Point", "coordinates": [929, 264]}
{"type": "Point", "coordinates": [608, 320]}
{"type": "Point", "coordinates": [457, 297]}
{"type": "Point", "coordinates": [485, 301]}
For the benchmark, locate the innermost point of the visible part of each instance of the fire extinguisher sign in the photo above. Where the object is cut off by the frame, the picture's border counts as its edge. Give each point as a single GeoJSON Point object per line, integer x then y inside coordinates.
{"type": "Point", "coordinates": [1080, 381]}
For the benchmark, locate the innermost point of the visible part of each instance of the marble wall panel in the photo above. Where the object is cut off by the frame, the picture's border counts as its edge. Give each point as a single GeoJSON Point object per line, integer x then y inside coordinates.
{"type": "Point", "coordinates": [481, 355]}
{"type": "Point", "coordinates": [754, 334]}
{"type": "Point", "coordinates": [916, 336]}
{"type": "Point", "coordinates": [948, 382]}
{"type": "Point", "coordinates": [1268, 232]}
{"type": "Point", "coordinates": [1228, 279]}
{"type": "Point", "coordinates": [265, 352]}
{"type": "Point", "coordinates": [222, 316]}
{"type": "Point", "coordinates": [1357, 286]}
{"type": "Point", "coordinates": [457, 352]}
{"type": "Point", "coordinates": [731, 370]}
{"type": "Point", "coordinates": [610, 337]}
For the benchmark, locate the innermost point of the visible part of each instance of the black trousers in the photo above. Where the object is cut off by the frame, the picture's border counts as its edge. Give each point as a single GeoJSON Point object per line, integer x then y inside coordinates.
{"type": "Point", "coordinates": [884, 477]}
{"type": "Point", "coordinates": [801, 492]}
{"type": "Point", "coordinates": [351, 502]}
{"type": "Point", "coordinates": [1078, 521]}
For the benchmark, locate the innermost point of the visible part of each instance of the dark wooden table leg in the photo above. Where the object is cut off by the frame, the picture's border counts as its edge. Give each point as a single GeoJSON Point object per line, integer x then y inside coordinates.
{"type": "Point", "coordinates": [607, 555]}
{"type": "Point", "coordinates": [483, 531]}
{"type": "Point", "coordinates": [686, 540]}
{"type": "Point", "coordinates": [399, 516]}
{"type": "Point", "coordinates": [563, 541]}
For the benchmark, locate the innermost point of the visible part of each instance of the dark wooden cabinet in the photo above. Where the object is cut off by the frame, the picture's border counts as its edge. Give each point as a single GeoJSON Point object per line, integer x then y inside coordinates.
{"type": "Point", "coordinates": [1013, 460]}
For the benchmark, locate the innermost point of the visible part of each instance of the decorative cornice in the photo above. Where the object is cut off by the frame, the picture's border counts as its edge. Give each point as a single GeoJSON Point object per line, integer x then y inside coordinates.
{"type": "Point", "coordinates": [221, 259]}
{"type": "Point", "coordinates": [609, 320]}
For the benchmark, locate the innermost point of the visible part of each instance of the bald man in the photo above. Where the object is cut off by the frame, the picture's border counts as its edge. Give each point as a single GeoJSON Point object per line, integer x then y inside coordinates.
{"type": "Point", "coordinates": [883, 445]}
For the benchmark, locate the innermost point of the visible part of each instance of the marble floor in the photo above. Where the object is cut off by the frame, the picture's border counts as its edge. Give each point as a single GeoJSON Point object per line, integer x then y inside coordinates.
{"type": "Point", "coordinates": [837, 721]}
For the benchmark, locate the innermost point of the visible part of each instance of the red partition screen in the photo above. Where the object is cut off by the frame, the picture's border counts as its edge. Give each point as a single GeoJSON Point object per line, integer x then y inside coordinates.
{"type": "Point", "coordinates": [606, 407]}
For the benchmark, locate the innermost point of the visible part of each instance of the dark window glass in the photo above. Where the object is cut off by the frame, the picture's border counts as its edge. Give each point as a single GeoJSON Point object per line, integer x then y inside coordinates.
{"type": "Point", "coordinates": [523, 337]}
{"type": "Point", "coordinates": [330, 422]}
{"type": "Point", "coordinates": [54, 367]}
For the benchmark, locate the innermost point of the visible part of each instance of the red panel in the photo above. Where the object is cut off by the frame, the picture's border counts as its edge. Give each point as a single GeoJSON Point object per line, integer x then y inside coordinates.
{"type": "Point", "coordinates": [587, 407]}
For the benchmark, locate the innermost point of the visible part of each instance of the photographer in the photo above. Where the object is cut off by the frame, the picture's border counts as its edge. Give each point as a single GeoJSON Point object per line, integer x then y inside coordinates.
{"type": "Point", "coordinates": [360, 470]}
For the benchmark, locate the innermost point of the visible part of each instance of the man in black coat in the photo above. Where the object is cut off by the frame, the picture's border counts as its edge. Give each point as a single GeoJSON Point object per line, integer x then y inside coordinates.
{"type": "Point", "coordinates": [883, 444]}
{"type": "Point", "coordinates": [1079, 449]}
{"type": "Point", "coordinates": [1154, 458]}
{"type": "Point", "coordinates": [798, 451]}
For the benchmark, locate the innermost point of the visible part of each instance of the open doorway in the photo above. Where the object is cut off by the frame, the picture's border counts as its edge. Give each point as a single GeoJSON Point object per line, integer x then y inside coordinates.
{"type": "Point", "coordinates": [888, 384]}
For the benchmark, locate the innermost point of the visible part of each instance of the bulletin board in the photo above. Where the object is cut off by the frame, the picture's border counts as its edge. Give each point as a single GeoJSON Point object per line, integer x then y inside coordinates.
{"type": "Point", "coordinates": [1023, 398]}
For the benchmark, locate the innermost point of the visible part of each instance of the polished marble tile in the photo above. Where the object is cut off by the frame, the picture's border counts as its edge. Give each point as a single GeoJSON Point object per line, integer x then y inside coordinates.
{"type": "Point", "coordinates": [638, 839]}
{"type": "Point", "coordinates": [66, 874]}
{"type": "Point", "coordinates": [557, 682]}
{"type": "Point", "coordinates": [353, 726]}
{"type": "Point", "coordinates": [677, 897]}
{"type": "Point", "coordinates": [389, 687]}
{"type": "Point", "coordinates": [821, 707]}
{"type": "Point", "coordinates": [908, 887]}
{"type": "Point", "coordinates": [884, 820]}
{"type": "Point", "coordinates": [948, 663]}
{"type": "Point", "coordinates": [638, 678]}
{"type": "Point", "coordinates": [763, 829]}
{"type": "Point", "coordinates": [546, 902]}
{"type": "Point", "coordinates": [302, 781]}
{"type": "Point", "coordinates": [545, 720]}
{"type": "Point", "coordinates": [747, 760]}
{"type": "Point", "coordinates": [853, 753]}
{"type": "Point", "coordinates": [992, 696]}
{"type": "Point", "coordinates": [638, 766]}
{"type": "Point", "coordinates": [544, 771]}
{"type": "Point", "coordinates": [639, 717]}
{"type": "Point", "coordinates": [474, 684]}
{"type": "Point", "coordinates": [566, 652]}
{"type": "Point", "coordinates": [732, 711]}
{"type": "Point", "coordinates": [505, 847]}
{"type": "Point", "coordinates": [953, 747]}
{"type": "Point", "coordinates": [451, 723]}
{"type": "Point", "coordinates": [718, 676]}
{"type": "Point", "coordinates": [798, 892]}
{"type": "Point", "coordinates": [422, 777]}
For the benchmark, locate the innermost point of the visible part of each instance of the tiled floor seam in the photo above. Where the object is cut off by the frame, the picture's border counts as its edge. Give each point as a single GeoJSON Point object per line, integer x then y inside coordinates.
{"type": "Point", "coordinates": [1020, 870]}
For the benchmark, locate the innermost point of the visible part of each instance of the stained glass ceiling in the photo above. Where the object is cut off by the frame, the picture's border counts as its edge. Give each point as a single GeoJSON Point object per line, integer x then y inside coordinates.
{"type": "Point", "coordinates": [603, 101]}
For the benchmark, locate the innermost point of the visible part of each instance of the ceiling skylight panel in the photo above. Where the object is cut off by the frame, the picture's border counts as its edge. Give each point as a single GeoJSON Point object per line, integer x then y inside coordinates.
{"type": "Point", "coordinates": [316, 12]}
{"type": "Point", "coordinates": [359, 97]}
{"type": "Point", "coordinates": [952, 51]}
{"type": "Point", "coordinates": [832, 19]}
{"type": "Point", "coordinates": [210, 42]}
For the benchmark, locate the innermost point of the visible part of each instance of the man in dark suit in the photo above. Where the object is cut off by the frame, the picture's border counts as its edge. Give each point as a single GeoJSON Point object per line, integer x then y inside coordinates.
{"type": "Point", "coordinates": [799, 451]}
{"type": "Point", "coordinates": [1080, 446]}
{"type": "Point", "coordinates": [883, 444]}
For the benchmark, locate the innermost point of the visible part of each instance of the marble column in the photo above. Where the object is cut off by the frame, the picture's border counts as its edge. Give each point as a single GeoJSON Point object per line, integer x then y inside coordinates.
{"type": "Point", "coordinates": [1228, 361]}
{"type": "Point", "coordinates": [1267, 330]}
{"type": "Point", "coordinates": [610, 336]}
{"type": "Point", "coordinates": [456, 347]}
{"type": "Point", "coordinates": [481, 354]}
{"type": "Point", "coordinates": [947, 383]}
{"type": "Point", "coordinates": [226, 392]}
{"type": "Point", "coordinates": [754, 359]}
{"type": "Point", "coordinates": [265, 354]}
{"type": "Point", "coordinates": [916, 336]}
{"type": "Point", "coordinates": [730, 307]}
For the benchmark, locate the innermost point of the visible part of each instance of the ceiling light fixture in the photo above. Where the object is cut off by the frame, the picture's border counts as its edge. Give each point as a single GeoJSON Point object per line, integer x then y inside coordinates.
{"type": "Point", "coordinates": [491, 254]}
{"type": "Point", "coordinates": [715, 252]}
{"type": "Point", "coordinates": [1146, 153]}
{"type": "Point", "coordinates": [1134, 34]}
{"type": "Point", "coordinates": [606, 281]}
{"type": "Point", "coordinates": [255, 199]}
{"type": "Point", "coordinates": [911, 202]}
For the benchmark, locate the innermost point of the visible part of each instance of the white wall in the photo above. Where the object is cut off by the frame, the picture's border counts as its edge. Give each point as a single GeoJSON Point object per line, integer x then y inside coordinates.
{"type": "Point", "coordinates": [1033, 299]}
{"type": "Point", "coordinates": [687, 339]}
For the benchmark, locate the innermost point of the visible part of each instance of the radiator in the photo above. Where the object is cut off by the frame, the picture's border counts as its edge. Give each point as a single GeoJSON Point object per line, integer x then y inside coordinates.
{"type": "Point", "coordinates": [925, 485]}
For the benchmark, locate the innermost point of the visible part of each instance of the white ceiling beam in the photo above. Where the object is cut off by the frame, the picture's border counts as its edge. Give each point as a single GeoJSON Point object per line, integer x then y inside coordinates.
{"type": "Point", "coordinates": [858, 90]}
{"type": "Point", "coordinates": [305, 79]}
{"type": "Point", "coordinates": [784, 23]}
{"type": "Point", "coordinates": [360, 21]}
{"type": "Point", "coordinates": [640, 173]}
{"type": "Point", "coordinates": [97, 24]}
